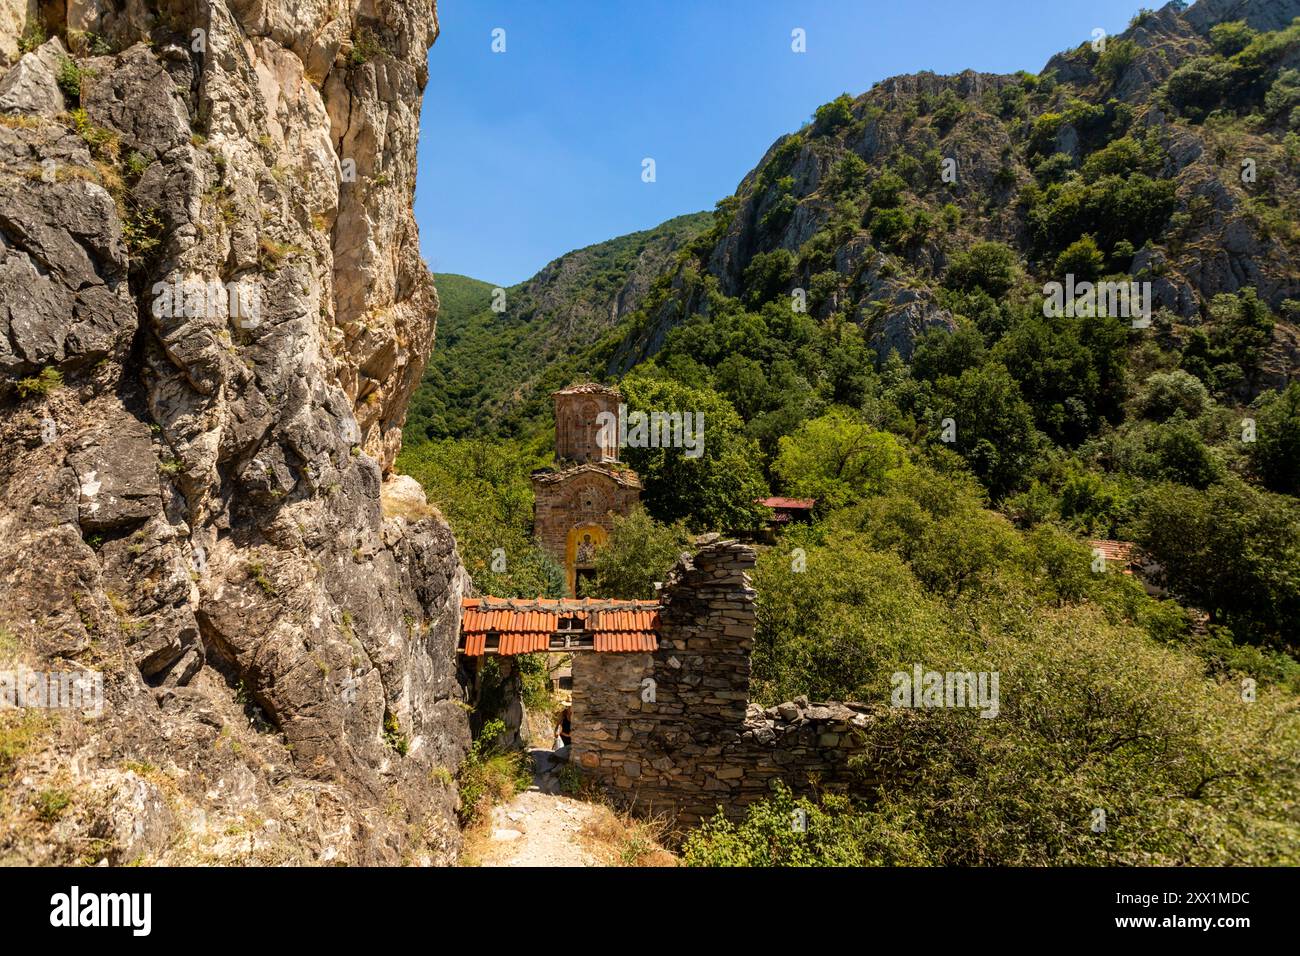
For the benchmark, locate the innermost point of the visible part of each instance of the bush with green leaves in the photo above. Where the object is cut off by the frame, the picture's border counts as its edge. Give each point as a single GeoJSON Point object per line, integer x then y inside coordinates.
{"type": "Point", "coordinates": [1226, 354]}
{"type": "Point", "coordinates": [1081, 259]}
{"type": "Point", "coordinates": [1093, 713]}
{"type": "Point", "coordinates": [640, 552]}
{"type": "Point", "coordinates": [1113, 208]}
{"type": "Point", "coordinates": [1275, 454]}
{"type": "Point", "coordinates": [1070, 370]}
{"type": "Point", "coordinates": [788, 831]}
{"type": "Point", "coordinates": [941, 352]}
{"type": "Point", "coordinates": [48, 380]}
{"type": "Point", "coordinates": [69, 79]}
{"type": "Point", "coordinates": [1168, 393]}
{"type": "Point", "coordinates": [490, 774]}
{"type": "Point", "coordinates": [886, 190]}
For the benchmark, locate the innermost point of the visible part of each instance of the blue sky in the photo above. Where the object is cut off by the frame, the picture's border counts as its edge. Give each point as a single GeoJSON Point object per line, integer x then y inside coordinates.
{"type": "Point", "coordinates": [527, 154]}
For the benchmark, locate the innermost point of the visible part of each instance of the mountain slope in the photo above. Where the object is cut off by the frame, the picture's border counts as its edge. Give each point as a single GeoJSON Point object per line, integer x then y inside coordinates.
{"type": "Point", "coordinates": [869, 210]}
{"type": "Point", "coordinates": [855, 208]}
{"type": "Point", "coordinates": [487, 362]}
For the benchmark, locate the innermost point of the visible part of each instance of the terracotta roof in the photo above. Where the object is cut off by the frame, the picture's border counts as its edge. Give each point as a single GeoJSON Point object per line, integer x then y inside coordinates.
{"type": "Point", "coordinates": [1121, 552]}
{"type": "Point", "coordinates": [525, 625]}
{"type": "Point", "coordinates": [798, 504]}
{"type": "Point", "coordinates": [587, 388]}
{"type": "Point", "coordinates": [623, 476]}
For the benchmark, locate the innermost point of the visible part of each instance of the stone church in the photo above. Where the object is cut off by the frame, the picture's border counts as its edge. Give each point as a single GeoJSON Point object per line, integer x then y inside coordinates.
{"type": "Point", "coordinates": [578, 499]}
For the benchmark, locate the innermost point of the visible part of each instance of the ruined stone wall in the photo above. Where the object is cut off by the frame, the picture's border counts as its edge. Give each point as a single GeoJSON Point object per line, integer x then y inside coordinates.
{"type": "Point", "coordinates": [672, 731]}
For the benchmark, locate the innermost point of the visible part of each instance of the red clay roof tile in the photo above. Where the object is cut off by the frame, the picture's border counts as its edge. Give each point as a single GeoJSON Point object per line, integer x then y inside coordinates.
{"type": "Point", "coordinates": [525, 625]}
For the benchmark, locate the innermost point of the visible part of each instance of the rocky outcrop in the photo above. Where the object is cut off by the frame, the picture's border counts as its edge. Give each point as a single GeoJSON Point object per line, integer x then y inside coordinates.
{"type": "Point", "coordinates": [1259, 14]}
{"type": "Point", "coordinates": [212, 315]}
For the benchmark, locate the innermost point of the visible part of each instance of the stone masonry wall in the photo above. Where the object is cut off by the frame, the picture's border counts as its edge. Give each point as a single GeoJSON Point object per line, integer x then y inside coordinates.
{"type": "Point", "coordinates": [673, 731]}
{"type": "Point", "coordinates": [578, 435]}
{"type": "Point", "coordinates": [592, 496]}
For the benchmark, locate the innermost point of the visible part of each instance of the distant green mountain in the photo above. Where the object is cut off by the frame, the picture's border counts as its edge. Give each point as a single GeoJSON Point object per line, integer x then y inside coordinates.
{"type": "Point", "coordinates": [887, 212]}
{"type": "Point", "coordinates": [487, 365]}
{"type": "Point", "coordinates": [460, 297]}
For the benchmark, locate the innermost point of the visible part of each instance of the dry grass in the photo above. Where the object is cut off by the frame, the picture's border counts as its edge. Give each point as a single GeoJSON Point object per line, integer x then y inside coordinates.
{"type": "Point", "coordinates": [20, 121]}
{"type": "Point", "coordinates": [619, 839]}
{"type": "Point", "coordinates": [408, 508]}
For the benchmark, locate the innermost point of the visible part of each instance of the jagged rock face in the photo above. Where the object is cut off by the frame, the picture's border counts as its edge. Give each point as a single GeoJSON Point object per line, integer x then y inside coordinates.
{"type": "Point", "coordinates": [213, 246]}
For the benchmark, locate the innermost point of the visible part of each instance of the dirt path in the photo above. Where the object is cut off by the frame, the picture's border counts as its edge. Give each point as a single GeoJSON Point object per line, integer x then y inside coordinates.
{"type": "Point", "coordinates": [540, 827]}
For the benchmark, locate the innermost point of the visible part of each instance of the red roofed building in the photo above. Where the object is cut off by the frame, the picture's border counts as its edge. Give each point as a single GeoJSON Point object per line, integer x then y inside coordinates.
{"type": "Point", "coordinates": [1119, 553]}
{"type": "Point", "coordinates": [785, 511]}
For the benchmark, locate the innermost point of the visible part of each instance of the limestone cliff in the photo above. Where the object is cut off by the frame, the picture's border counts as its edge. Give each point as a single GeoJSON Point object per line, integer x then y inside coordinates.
{"type": "Point", "coordinates": [212, 315]}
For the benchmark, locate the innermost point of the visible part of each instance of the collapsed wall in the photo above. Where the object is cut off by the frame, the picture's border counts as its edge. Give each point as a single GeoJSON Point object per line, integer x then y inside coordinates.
{"type": "Point", "coordinates": [195, 497]}
{"type": "Point", "coordinates": [673, 731]}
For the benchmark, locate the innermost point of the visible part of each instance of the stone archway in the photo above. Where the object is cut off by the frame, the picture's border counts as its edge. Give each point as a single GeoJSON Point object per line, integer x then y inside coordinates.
{"type": "Point", "coordinates": [579, 551]}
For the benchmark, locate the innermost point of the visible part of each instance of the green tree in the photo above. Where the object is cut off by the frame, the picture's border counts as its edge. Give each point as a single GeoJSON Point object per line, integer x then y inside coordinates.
{"type": "Point", "coordinates": [1275, 454]}
{"type": "Point", "coordinates": [1071, 371]}
{"type": "Point", "coordinates": [769, 274]}
{"type": "Point", "coordinates": [886, 190]}
{"type": "Point", "coordinates": [988, 266]}
{"type": "Point", "coordinates": [640, 552]}
{"type": "Point", "coordinates": [483, 490]}
{"type": "Point", "coordinates": [1231, 38]}
{"type": "Point", "coordinates": [941, 352]}
{"type": "Point", "coordinates": [994, 426]}
{"type": "Point", "coordinates": [837, 617]}
{"type": "Point", "coordinates": [1232, 550]}
{"type": "Point", "coordinates": [1182, 456]}
{"type": "Point", "coordinates": [1082, 259]}
{"type": "Point", "coordinates": [837, 459]}
{"type": "Point", "coordinates": [715, 489]}
{"type": "Point", "coordinates": [831, 116]}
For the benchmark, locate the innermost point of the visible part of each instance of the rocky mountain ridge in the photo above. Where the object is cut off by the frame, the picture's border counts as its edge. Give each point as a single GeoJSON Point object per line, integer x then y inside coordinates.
{"type": "Point", "coordinates": [807, 195]}
{"type": "Point", "coordinates": [866, 208]}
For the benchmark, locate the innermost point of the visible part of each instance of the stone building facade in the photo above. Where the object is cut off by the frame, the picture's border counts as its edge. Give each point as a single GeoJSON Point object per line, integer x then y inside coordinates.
{"type": "Point", "coordinates": [673, 731]}
{"type": "Point", "coordinates": [577, 501]}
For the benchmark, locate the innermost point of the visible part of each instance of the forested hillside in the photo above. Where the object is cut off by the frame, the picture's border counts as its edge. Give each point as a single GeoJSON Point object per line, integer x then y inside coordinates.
{"type": "Point", "coordinates": [488, 360]}
{"type": "Point", "coordinates": [863, 323]}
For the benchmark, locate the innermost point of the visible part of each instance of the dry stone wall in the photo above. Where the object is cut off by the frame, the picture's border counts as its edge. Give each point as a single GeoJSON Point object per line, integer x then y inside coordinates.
{"type": "Point", "coordinates": [673, 731]}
